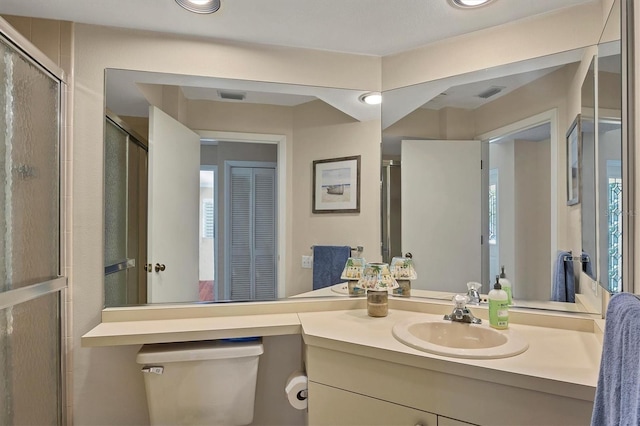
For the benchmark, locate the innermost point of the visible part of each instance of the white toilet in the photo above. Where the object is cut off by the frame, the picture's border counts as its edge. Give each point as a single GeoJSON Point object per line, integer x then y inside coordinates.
{"type": "Point", "coordinates": [201, 383]}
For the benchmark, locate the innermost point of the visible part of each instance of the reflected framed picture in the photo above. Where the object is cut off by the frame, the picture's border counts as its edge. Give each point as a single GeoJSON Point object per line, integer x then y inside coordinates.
{"type": "Point", "coordinates": [574, 136]}
{"type": "Point", "coordinates": [336, 185]}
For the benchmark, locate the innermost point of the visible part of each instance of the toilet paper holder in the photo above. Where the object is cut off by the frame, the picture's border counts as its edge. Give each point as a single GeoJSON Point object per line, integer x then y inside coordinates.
{"type": "Point", "coordinates": [296, 390]}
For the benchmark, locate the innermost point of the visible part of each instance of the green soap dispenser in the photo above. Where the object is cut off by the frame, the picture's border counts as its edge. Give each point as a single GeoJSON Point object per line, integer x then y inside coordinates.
{"type": "Point", "coordinates": [506, 285]}
{"type": "Point", "coordinates": [498, 306]}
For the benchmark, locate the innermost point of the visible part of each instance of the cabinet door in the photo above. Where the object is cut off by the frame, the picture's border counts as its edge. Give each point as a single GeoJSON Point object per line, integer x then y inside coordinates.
{"type": "Point", "coordinates": [446, 421]}
{"type": "Point", "coordinates": [335, 407]}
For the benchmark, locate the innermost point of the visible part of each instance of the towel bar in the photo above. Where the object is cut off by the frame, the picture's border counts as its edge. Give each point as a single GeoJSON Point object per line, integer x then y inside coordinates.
{"type": "Point", "coordinates": [583, 258]}
{"type": "Point", "coordinates": [359, 249]}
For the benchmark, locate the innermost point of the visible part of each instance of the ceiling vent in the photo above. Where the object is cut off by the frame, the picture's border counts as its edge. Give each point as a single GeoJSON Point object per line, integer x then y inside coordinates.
{"type": "Point", "coordinates": [234, 96]}
{"type": "Point", "coordinates": [491, 91]}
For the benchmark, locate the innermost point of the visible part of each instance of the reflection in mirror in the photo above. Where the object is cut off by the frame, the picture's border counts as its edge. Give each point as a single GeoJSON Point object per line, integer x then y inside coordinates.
{"type": "Point", "coordinates": [588, 174]}
{"type": "Point", "coordinates": [610, 166]}
{"type": "Point", "coordinates": [201, 164]}
{"type": "Point", "coordinates": [482, 172]}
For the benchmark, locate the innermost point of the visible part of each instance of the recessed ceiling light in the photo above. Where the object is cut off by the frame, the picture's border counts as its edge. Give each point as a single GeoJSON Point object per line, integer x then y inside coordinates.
{"type": "Point", "coordinates": [200, 6]}
{"type": "Point", "coordinates": [372, 98]}
{"type": "Point", "coordinates": [467, 4]}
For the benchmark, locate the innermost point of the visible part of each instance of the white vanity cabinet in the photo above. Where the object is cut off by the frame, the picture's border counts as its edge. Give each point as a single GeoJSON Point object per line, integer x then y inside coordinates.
{"type": "Point", "coordinates": [336, 407]}
{"type": "Point", "coordinates": [330, 406]}
{"type": "Point", "coordinates": [353, 388]}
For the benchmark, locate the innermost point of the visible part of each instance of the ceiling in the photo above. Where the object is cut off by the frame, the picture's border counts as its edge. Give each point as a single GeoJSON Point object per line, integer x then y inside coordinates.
{"type": "Point", "coordinates": [368, 27]}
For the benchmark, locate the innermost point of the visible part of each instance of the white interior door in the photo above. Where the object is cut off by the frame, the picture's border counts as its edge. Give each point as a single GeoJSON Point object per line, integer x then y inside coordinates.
{"type": "Point", "coordinates": [442, 213]}
{"type": "Point", "coordinates": [174, 193]}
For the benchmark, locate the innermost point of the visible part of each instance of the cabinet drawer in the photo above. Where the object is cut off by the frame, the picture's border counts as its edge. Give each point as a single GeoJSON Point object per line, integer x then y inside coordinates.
{"type": "Point", "coordinates": [335, 407]}
{"type": "Point", "coordinates": [446, 421]}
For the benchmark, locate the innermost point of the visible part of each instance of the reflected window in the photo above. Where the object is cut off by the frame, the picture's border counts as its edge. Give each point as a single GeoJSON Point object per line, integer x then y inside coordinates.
{"type": "Point", "coordinates": [207, 218]}
{"type": "Point", "coordinates": [614, 242]}
{"type": "Point", "coordinates": [207, 252]}
{"type": "Point", "coordinates": [494, 257]}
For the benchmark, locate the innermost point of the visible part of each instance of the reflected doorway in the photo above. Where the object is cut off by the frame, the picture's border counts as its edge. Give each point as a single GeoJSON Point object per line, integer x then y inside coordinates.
{"type": "Point", "coordinates": [518, 208]}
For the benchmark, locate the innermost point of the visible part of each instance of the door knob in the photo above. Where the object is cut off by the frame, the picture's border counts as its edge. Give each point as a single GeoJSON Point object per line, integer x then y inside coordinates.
{"type": "Point", "coordinates": [160, 267]}
{"type": "Point", "coordinates": [408, 255]}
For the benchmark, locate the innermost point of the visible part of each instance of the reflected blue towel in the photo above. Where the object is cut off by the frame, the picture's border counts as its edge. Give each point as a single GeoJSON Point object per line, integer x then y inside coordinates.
{"type": "Point", "coordinates": [563, 288]}
{"type": "Point", "coordinates": [328, 263]}
{"type": "Point", "coordinates": [586, 265]}
{"type": "Point", "coordinates": [617, 399]}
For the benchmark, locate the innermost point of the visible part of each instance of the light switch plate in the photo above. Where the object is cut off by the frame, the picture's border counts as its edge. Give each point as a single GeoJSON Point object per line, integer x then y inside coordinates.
{"type": "Point", "coordinates": [307, 262]}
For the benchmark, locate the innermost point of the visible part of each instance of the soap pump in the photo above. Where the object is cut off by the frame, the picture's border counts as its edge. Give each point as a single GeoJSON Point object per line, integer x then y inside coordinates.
{"type": "Point", "coordinates": [506, 285]}
{"type": "Point", "coordinates": [498, 306]}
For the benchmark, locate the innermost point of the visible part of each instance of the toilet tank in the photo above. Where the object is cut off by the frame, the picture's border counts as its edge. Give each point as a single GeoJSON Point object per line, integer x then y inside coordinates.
{"type": "Point", "coordinates": [201, 383]}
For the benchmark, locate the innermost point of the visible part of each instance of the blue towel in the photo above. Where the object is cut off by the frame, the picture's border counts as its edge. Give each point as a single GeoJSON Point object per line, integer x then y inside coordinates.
{"type": "Point", "coordinates": [328, 263]}
{"type": "Point", "coordinates": [617, 399]}
{"type": "Point", "coordinates": [563, 288]}
{"type": "Point", "coordinates": [587, 267]}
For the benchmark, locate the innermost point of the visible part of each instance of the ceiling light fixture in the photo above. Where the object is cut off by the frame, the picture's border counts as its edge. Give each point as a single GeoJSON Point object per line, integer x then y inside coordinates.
{"type": "Point", "coordinates": [468, 4]}
{"type": "Point", "coordinates": [372, 98]}
{"type": "Point", "coordinates": [200, 6]}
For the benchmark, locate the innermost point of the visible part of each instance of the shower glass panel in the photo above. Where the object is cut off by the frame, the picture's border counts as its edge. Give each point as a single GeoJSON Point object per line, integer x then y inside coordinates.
{"type": "Point", "coordinates": [30, 290]}
{"type": "Point", "coordinates": [115, 212]}
{"type": "Point", "coordinates": [125, 196]}
{"type": "Point", "coordinates": [29, 362]}
{"type": "Point", "coordinates": [29, 172]}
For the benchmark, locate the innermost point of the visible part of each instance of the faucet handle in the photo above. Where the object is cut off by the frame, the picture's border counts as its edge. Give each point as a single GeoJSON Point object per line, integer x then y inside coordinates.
{"type": "Point", "coordinates": [460, 300]}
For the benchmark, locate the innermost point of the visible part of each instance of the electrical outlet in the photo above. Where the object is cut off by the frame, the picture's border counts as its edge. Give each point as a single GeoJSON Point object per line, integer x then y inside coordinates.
{"type": "Point", "coordinates": [307, 262]}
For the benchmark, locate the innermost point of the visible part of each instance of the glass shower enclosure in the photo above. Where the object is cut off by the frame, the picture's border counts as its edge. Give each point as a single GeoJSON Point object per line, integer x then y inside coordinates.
{"type": "Point", "coordinates": [31, 286]}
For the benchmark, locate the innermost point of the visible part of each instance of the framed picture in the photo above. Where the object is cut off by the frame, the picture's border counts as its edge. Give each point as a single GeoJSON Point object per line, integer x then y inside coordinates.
{"type": "Point", "coordinates": [574, 136]}
{"type": "Point", "coordinates": [336, 185]}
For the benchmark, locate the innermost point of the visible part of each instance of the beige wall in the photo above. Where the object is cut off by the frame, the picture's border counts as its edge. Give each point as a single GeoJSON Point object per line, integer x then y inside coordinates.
{"type": "Point", "coordinates": [53, 38]}
{"type": "Point", "coordinates": [322, 132]}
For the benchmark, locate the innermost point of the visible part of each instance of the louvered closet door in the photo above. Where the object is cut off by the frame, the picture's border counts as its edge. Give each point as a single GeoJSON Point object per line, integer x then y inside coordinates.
{"type": "Point", "coordinates": [253, 234]}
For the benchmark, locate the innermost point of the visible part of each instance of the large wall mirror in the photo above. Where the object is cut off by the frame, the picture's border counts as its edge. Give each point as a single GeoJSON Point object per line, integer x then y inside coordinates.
{"type": "Point", "coordinates": [475, 178]}
{"type": "Point", "coordinates": [609, 156]}
{"type": "Point", "coordinates": [201, 164]}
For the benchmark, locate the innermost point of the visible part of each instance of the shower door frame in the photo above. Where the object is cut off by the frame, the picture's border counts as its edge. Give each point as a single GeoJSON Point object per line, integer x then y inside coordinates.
{"type": "Point", "coordinates": [58, 284]}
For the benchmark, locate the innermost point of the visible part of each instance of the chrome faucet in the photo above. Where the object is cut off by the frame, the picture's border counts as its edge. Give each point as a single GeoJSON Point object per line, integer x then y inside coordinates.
{"type": "Point", "coordinates": [472, 293]}
{"type": "Point", "coordinates": [460, 312]}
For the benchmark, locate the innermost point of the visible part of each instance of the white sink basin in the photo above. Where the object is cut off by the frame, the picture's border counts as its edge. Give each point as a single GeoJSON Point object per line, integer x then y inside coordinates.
{"type": "Point", "coordinates": [456, 339]}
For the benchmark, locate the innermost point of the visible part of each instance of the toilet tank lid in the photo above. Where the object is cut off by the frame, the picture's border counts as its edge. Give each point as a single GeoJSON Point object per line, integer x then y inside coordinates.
{"type": "Point", "coordinates": [198, 351]}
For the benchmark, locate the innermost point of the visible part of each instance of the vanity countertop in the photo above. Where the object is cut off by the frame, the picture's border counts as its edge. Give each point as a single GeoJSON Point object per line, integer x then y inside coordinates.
{"type": "Point", "coordinates": [559, 361]}
{"type": "Point", "coordinates": [190, 329]}
{"type": "Point", "coordinates": [563, 356]}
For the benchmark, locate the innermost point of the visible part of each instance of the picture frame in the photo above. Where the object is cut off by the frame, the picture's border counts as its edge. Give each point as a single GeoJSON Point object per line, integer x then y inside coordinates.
{"type": "Point", "coordinates": [336, 185]}
{"type": "Point", "coordinates": [574, 152]}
